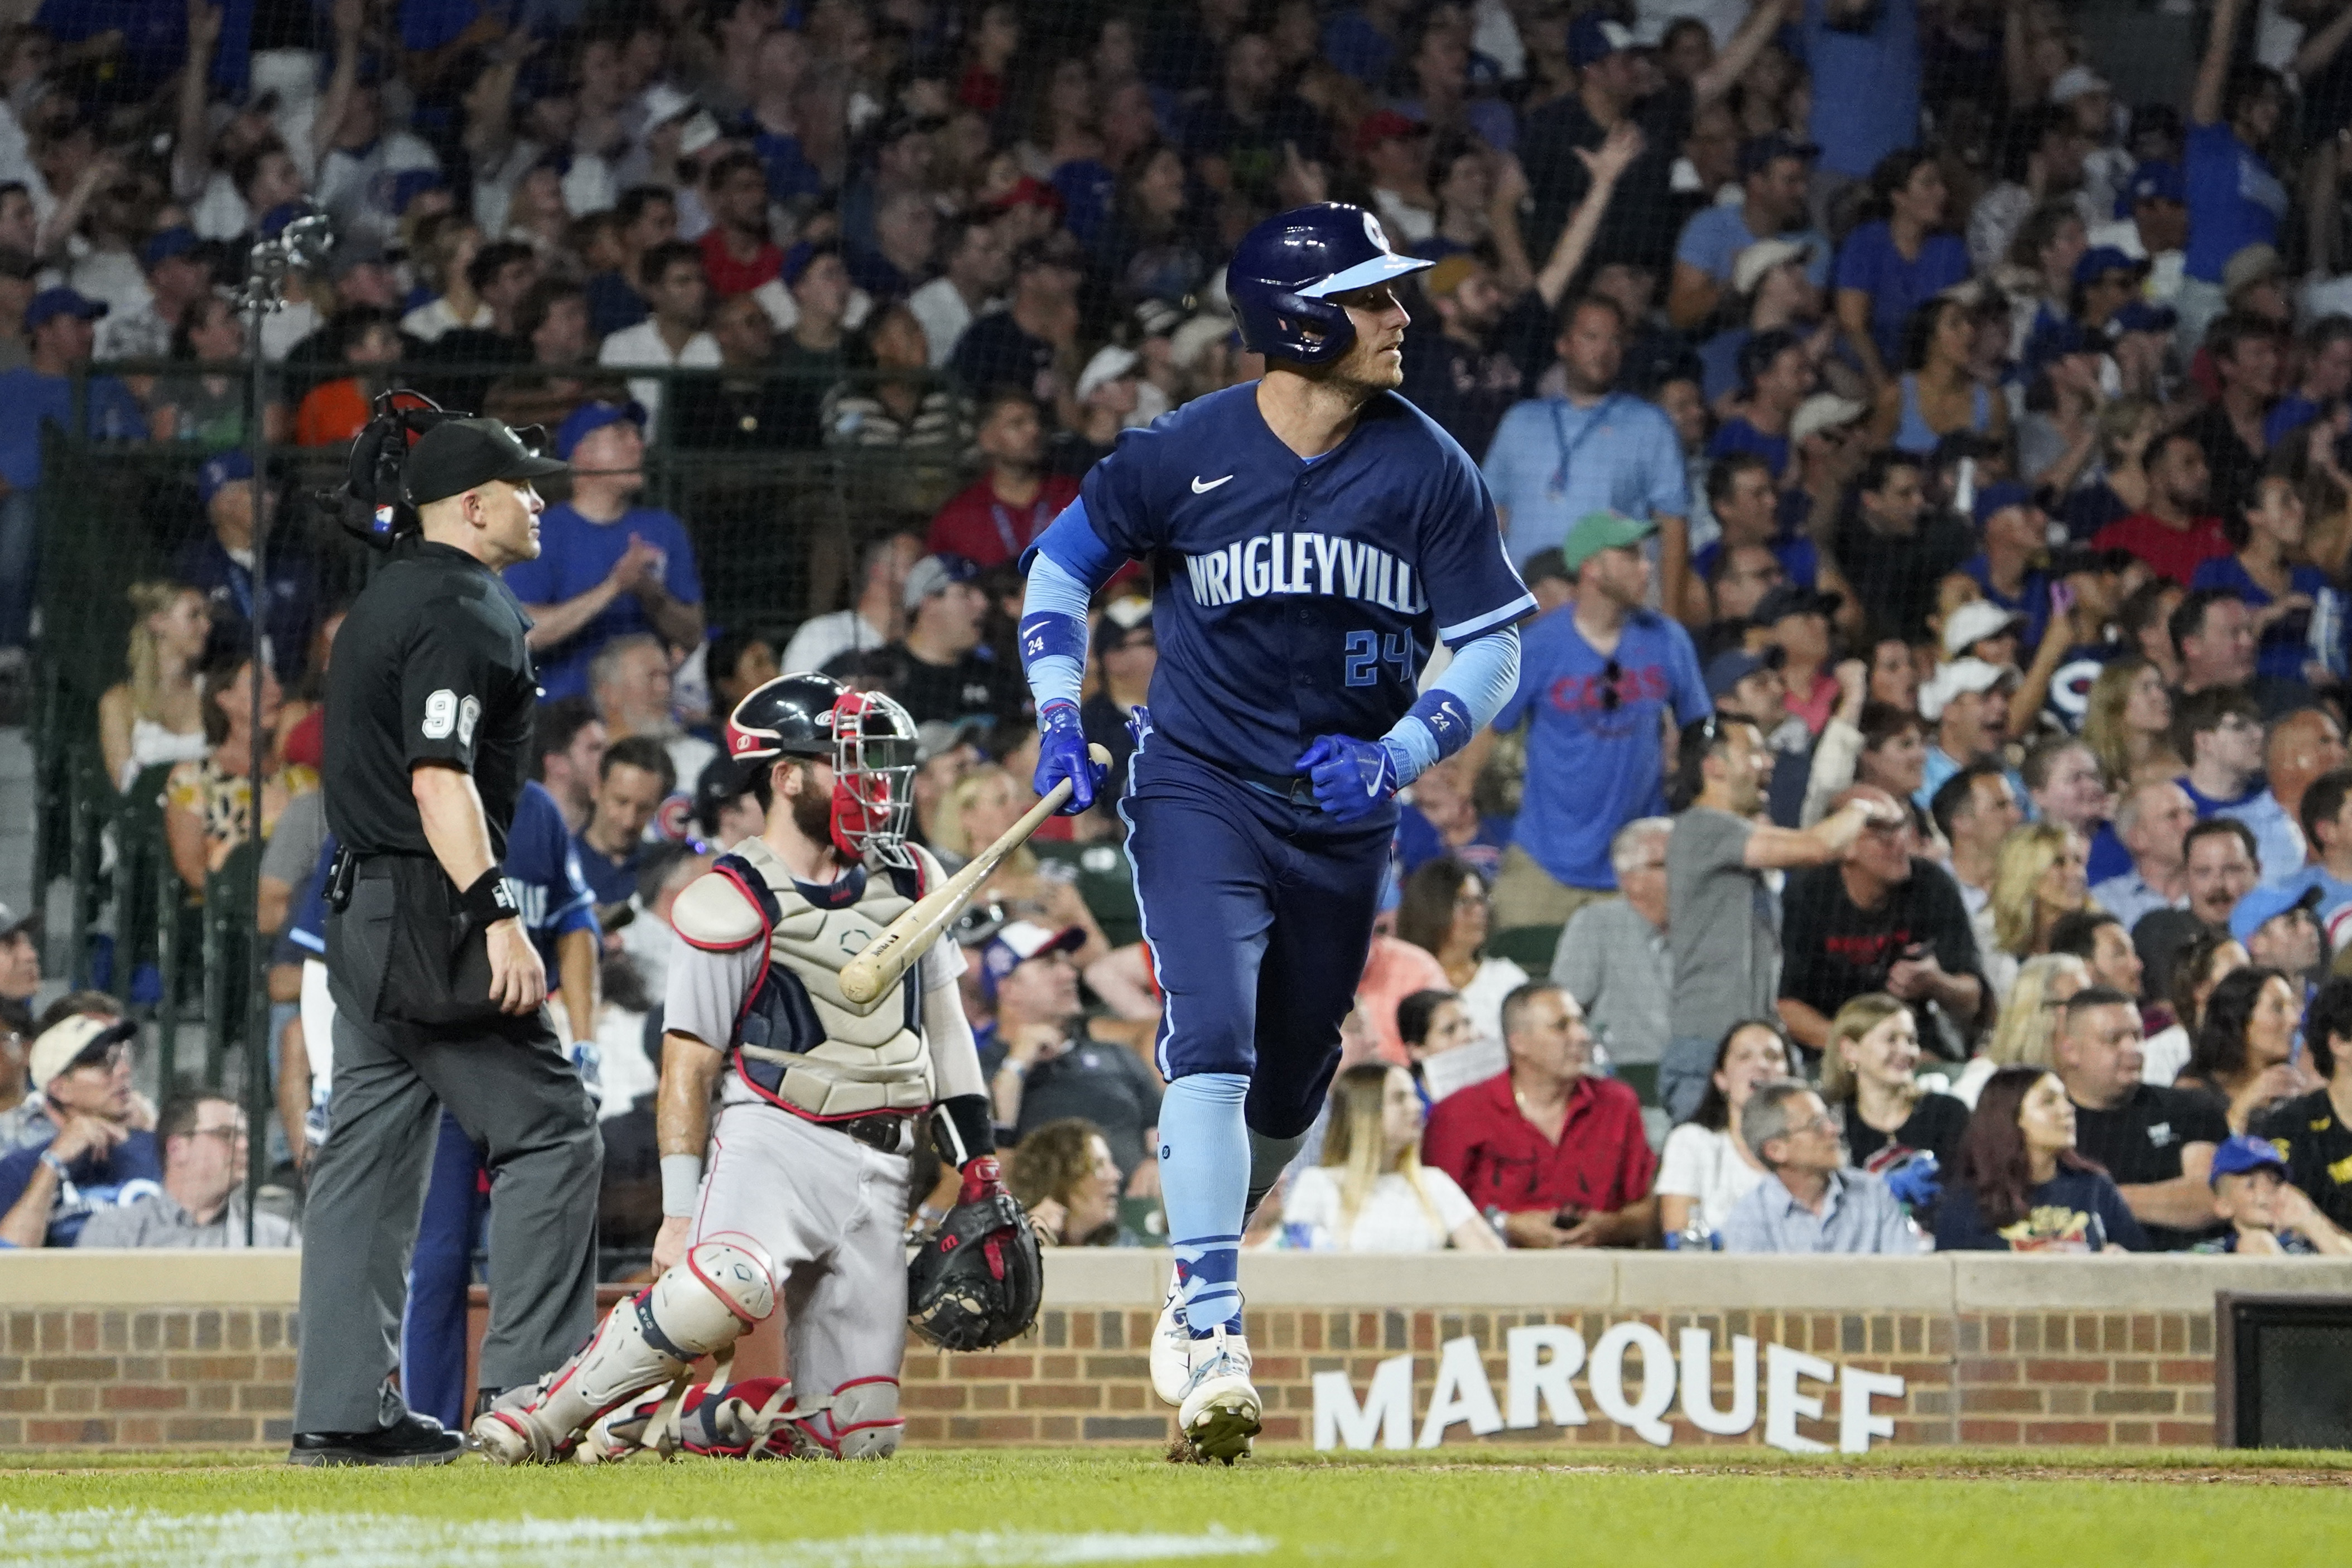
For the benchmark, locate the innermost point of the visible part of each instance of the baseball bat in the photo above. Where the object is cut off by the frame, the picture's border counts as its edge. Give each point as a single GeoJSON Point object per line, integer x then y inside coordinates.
{"type": "Point", "coordinates": [878, 967]}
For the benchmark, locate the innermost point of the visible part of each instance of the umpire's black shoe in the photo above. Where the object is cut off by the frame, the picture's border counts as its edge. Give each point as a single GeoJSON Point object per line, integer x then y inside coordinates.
{"type": "Point", "coordinates": [413, 1439]}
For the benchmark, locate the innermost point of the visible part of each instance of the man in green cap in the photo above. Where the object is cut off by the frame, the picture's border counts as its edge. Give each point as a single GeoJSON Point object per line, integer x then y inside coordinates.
{"type": "Point", "coordinates": [1597, 677]}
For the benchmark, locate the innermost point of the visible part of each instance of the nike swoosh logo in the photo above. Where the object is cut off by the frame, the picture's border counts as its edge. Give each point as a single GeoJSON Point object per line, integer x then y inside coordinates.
{"type": "Point", "coordinates": [1202, 486]}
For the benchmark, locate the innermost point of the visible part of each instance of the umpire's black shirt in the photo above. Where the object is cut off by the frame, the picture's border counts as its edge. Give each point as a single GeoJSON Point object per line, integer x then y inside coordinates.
{"type": "Point", "coordinates": [430, 667]}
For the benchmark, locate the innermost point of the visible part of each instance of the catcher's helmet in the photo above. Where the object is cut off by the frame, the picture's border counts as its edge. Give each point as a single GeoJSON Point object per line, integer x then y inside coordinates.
{"type": "Point", "coordinates": [869, 741]}
{"type": "Point", "coordinates": [1286, 271]}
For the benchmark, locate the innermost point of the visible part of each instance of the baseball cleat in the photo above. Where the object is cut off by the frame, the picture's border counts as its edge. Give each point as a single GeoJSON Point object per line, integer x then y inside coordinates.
{"type": "Point", "coordinates": [1171, 1347]}
{"type": "Point", "coordinates": [1220, 1412]}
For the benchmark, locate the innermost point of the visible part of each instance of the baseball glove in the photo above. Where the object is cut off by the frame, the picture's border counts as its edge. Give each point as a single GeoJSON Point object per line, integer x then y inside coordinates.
{"type": "Point", "coordinates": [977, 1280]}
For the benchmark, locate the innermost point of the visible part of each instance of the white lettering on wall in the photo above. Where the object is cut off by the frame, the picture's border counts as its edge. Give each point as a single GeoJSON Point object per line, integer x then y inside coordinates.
{"type": "Point", "coordinates": [1387, 1410]}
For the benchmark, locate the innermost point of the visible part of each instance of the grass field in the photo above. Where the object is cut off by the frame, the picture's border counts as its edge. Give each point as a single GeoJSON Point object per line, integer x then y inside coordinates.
{"type": "Point", "coordinates": [984, 1509]}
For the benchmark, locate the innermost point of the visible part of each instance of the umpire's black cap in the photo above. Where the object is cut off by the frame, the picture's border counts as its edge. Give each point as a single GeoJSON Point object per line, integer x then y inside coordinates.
{"type": "Point", "coordinates": [453, 457]}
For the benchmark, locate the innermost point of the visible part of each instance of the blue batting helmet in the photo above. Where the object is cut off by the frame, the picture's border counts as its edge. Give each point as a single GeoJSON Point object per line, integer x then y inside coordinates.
{"type": "Point", "coordinates": [1286, 269]}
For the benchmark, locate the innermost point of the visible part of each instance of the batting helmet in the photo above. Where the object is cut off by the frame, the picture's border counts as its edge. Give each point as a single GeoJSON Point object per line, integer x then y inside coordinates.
{"type": "Point", "coordinates": [1286, 271]}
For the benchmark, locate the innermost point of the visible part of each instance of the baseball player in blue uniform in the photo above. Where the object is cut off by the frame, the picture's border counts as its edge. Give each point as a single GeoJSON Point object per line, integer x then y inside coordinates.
{"type": "Point", "coordinates": [1310, 538]}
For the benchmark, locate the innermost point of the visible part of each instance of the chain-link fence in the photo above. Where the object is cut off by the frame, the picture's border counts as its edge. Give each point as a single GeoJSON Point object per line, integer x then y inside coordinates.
{"type": "Point", "coordinates": [777, 518]}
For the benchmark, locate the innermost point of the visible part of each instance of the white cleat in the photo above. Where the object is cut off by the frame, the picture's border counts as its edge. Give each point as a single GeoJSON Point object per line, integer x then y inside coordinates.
{"type": "Point", "coordinates": [1220, 1412]}
{"type": "Point", "coordinates": [1172, 1348]}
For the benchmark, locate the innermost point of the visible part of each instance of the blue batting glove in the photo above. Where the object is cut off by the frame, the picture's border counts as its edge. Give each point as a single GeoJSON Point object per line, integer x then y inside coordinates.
{"type": "Point", "coordinates": [1061, 754]}
{"type": "Point", "coordinates": [1352, 777]}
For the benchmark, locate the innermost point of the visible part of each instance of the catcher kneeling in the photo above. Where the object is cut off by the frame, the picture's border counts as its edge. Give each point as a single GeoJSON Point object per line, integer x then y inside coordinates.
{"type": "Point", "coordinates": [805, 1193]}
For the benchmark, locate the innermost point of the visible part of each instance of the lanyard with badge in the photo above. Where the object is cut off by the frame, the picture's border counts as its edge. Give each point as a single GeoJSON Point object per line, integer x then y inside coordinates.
{"type": "Point", "coordinates": [1569, 449]}
{"type": "Point", "coordinates": [1003, 520]}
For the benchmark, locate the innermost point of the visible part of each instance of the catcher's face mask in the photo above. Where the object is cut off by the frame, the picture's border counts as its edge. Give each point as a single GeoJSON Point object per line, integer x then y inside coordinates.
{"type": "Point", "coordinates": [872, 777]}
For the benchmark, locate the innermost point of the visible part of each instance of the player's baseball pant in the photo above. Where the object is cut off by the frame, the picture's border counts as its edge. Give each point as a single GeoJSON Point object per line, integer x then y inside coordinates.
{"type": "Point", "coordinates": [433, 1333]}
{"type": "Point", "coordinates": [517, 1097]}
{"type": "Point", "coordinates": [830, 1212]}
{"type": "Point", "coordinates": [1258, 911]}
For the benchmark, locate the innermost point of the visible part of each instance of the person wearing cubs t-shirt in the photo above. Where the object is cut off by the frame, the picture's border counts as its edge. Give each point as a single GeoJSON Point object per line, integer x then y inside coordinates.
{"type": "Point", "coordinates": [2313, 1131]}
{"type": "Point", "coordinates": [81, 1068]}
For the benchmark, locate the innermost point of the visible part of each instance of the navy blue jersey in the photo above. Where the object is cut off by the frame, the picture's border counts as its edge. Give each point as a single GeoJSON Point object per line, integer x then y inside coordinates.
{"type": "Point", "coordinates": [1293, 599]}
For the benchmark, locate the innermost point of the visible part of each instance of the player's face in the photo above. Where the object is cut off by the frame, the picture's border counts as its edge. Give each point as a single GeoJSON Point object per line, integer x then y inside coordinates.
{"type": "Point", "coordinates": [1376, 359]}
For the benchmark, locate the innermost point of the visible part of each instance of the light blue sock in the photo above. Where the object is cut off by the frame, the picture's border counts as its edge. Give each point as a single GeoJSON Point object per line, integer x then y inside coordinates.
{"type": "Point", "coordinates": [1205, 1163]}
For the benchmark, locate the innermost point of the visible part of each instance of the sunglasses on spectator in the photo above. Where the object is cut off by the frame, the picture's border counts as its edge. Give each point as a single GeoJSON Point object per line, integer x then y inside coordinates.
{"type": "Point", "coordinates": [107, 1056]}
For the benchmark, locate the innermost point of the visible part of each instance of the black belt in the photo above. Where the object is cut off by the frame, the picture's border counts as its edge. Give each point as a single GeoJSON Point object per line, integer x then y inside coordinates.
{"type": "Point", "coordinates": [1296, 789]}
{"type": "Point", "coordinates": [882, 1132]}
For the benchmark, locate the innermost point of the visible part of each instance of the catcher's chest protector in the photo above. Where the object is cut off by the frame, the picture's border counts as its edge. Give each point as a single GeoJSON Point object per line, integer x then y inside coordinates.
{"type": "Point", "coordinates": [800, 1043]}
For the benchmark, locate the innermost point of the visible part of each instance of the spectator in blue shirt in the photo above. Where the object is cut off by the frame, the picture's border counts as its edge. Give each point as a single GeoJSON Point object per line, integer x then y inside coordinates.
{"type": "Point", "coordinates": [80, 1067]}
{"type": "Point", "coordinates": [1776, 376]}
{"type": "Point", "coordinates": [1864, 58]}
{"type": "Point", "coordinates": [221, 562]}
{"type": "Point", "coordinates": [1556, 459]}
{"type": "Point", "coordinates": [2235, 199]}
{"type": "Point", "coordinates": [634, 777]}
{"type": "Point", "coordinates": [1593, 683]}
{"type": "Point", "coordinates": [1773, 172]}
{"type": "Point", "coordinates": [1811, 1199]}
{"type": "Point", "coordinates": [1897, 261]}
{"type": "Point", "coordinates": [2325, 377]}
{"type": "Point", "coordinates": [58, 334]}
{"type": "Point", "coordinates": [606, 567]}
{"type": "Point", "coordinates": [645, 220]}
{"type": "Point", "coordinates": [2278, 590]}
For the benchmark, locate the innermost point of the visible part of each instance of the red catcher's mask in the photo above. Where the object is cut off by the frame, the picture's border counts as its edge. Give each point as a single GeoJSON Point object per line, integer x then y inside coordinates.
{"type": "Point", "coordinates": [874, 749]}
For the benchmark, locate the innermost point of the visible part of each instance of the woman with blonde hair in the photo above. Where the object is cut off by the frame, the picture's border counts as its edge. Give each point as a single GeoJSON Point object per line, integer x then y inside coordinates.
{"type": "Point", "coordinates": [2128, 725]}
{"type": "Point", "coordinates": [979, 807]}
{"type": "Point", "coordinates": [1867, 1067]}
{"type": "Point", "coordinates": [2039, 875]}
{"type": "Point", "coordinates": [1371, 1193]}
{"type": "Point", "coordinates": [156, 715]}
{"type": "Point", "coordinates": [2029, 1020]}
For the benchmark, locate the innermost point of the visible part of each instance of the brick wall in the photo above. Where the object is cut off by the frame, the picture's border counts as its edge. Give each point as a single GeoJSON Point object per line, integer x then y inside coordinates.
{"type": "Point", "coordinates": [198, 1350]}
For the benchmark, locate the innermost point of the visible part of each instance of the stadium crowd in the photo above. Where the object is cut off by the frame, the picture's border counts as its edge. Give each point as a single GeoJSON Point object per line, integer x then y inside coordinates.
{"type": "Point", "coordinates": [1881, 407]}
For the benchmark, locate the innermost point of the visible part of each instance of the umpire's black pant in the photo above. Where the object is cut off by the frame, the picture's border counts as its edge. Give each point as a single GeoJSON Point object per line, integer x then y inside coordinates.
{"type": "Point", "coordinates": [517, 1096]}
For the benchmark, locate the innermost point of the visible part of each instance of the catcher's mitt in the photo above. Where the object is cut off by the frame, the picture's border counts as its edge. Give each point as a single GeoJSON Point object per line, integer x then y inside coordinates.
{"type": "Point", "coordinates": [977, 1280]}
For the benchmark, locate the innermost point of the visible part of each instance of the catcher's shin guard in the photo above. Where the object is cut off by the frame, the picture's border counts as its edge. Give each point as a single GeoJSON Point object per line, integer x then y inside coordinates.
{"type": "Point", "coordinates": [699, 1306]}
{"type": "Point", "coordinates": [861, 1421]}
{"type": "Point", "coordinates": [753, 1420]}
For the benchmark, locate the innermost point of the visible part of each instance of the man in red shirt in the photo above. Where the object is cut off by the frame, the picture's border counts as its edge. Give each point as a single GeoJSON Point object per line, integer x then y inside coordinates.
{"type": "Point", "coordinates": [1557, 1155]}
{"type": "Point", "coordinates": [994, 519]}
{"type": "Point", "coordinates": [738, 252]}
{"type": "Point", "coordinates": [2177, 531]}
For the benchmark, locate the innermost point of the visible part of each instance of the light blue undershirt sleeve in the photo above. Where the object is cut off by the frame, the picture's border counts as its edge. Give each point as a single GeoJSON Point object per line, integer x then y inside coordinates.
{"type": "Point", "coordinates": [1465, 699]}
{"type": "Point", "coordinates": [1066, 566]}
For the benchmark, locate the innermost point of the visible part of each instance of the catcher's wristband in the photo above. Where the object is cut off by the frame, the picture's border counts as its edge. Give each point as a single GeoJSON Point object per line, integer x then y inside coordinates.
{"type": "Point", "coordinates": [964, 1128]}
{"type": "Point", "coordinates": [681, 1176]}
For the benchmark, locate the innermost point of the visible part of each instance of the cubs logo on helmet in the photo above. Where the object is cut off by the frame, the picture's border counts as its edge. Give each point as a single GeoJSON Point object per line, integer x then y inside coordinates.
{"type": "Point", "coordinates": [1286, 271]}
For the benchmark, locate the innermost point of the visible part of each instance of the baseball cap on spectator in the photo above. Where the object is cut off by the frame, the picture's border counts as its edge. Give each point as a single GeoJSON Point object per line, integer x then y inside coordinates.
{"type": "Point", "coordinates": [1155, 318]}
{"type": "Point", "coordinates": [1995, 498]}
{"type": "Point", "coordinates": [1385, 125]}
{"type": "Point", "coordinates": [350, 256]}
{"type": "Point", "coordinates": [11, 922]}
{"type": "Point", "coordinates": [1123, 620]}
{"type": "Point", "coordinates": [665, 103]}
{"type": "Point", "coordinates": [700, 132]}
{"type": "Point", "coordinates": [2077, 81]}
{"type": "Point", "coordinates": [2140, 315]}
{"type": "Point", "coordinates": [1109, 363]}
{"type": "Point", "coordinates": [1758, 153]}
{"type": "Point", "coordinates": [2266, 902]}
{"type": "Point", "coordinates": [591, 417]}
{"type": "Point", "coordinates": [411, 183]}
{"type": "Point", "coordinates": [937, 736]}
{"type": "Point", "coordinates": [1194, 338]}
{"type": "Point", "coordinates": [934, 574]}
{"type": "Point", "coordinates": [1593, 38]}
{"type": "Point", "coordinates": [1598, 531]}
{"type": "Point", "coordinates": [52, 303]}
{"type": "Point", "coordinates": [1440, 281]}
{"type": "Point", "coordinates": [1016, 944]}
{"type": "Point", "coordinates": [455, 456]}
{"type": "Point", "coordinates": [2056, 338]}
{"type": "Point", "coordinates": [2252, 263]}
{"type": "Point", "coordinates": [1546, 566]}
{"type": "Point", "coordinates": [802, 255]}
{"type": "Point", "coordinates": [2242, 1154]}
{"type": "Point", "coordinates": [1794, 599]}
{"type": "Point", "coordinates": [273, 222]}
{"type": "Point", "coordinates": [80, 1040]}
{"type": "Point", "coordinates": [723, 781]}
{"type": "Point", "coordinates": [165, 243]}
{"type": "Point", "coordinates": [1959, 678]}
{"type": "Point", "coordinates": [2101, 259]}
{"type": "Point", "coordinates": [2153, 181]}
{"type": "Point", "coordinates": [1820, 411]}
{"type": "Point", "coordinates": [1026, 191]}
{"type": "Point", "coordinates": [222, 471]}
{"type": "Point", "coordinates": [1733, 665]}
{"type": "Point", "coordinates": [1974, 621]}
{"type": "Point", "coordinates": [1750, 269]}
